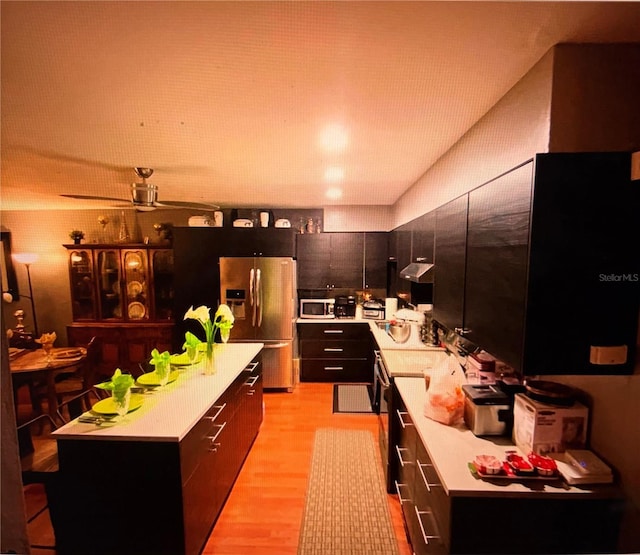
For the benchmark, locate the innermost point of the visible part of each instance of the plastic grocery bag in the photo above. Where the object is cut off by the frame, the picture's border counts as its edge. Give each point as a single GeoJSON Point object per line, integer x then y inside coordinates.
{"type": "Point", "coordinates": [445, 399]}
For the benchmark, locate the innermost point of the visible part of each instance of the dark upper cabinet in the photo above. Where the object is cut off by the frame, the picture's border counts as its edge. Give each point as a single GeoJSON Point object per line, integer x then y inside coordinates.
{"type": "Point", "coordinates": [313, 253]}
{"type": "Point", "coordinates": [330, 260]}
{"type": "Point", "coordinates": [402, 237]}
{"type": "Point", "coordinates": [496, 263]}
{"type": "Point", "coordinates": [450, 262]}
{"type": "Point", "coordinates": [348, 260]}
{"type": "Point", "coordinates": [422, 239]}
{"type": "Point", "coordinates": [583, 294]}
{"type": "Point", "coordinates": [375, 259]}
{"type": "Point", "coordinates": [552, 281]}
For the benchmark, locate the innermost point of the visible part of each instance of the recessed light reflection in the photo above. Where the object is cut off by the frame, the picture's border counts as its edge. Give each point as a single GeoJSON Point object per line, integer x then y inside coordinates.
{"type": "Point", "coordinates": [334, 138]}
{"type": "Point", "coordinates": [333, 174]}
{"type": "Point", "coordinates": [334, 193]}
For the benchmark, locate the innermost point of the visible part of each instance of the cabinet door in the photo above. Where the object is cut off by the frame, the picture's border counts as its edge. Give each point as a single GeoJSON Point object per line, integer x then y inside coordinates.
{"type": "Point", "coordinates": [135, 273]}
{"type": "Point", "coordinates": [422, 240]}
{"type": "Point", "coordinates": [347, 260]}
{"type": "Point", "coordinates": [313, 252]}
{"type": "Point", "coordinates": [375, 260]}
{"type": "Point", "coordinates": [109, 284]}
{"type": "Point", "coordinates": [403, 250]}
{"type": "Point", "coordinates": [450, 256]}
{"type": "Point", "coordinates": [162, 283]}
{"type": "Point", "coordinates": [81, 278]}
{"type": "Point", "coordinates": [497, 263]}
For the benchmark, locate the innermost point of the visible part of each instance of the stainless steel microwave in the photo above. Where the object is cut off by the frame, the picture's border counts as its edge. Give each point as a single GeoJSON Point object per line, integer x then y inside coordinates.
{"type": "Point", "coordinates": [317, 308]}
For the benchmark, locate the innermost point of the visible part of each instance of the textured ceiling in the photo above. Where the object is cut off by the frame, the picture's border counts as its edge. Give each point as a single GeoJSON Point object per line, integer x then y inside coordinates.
{"type": "Point", "coordinates": [261, 104]}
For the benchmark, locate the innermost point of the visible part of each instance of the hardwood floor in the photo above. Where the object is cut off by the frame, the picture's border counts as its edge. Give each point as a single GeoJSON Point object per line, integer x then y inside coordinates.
{"type": "Point", "coordinates": [263, 513]}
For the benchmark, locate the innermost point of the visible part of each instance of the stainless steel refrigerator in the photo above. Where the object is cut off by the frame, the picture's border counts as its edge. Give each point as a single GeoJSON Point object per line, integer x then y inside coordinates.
{"type": "Point", "coordinates": [261, 293]}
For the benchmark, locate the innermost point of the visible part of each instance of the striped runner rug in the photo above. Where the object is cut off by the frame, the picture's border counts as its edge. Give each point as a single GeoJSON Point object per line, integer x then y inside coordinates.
{"type": "Point", "coordinates": [346, 511]}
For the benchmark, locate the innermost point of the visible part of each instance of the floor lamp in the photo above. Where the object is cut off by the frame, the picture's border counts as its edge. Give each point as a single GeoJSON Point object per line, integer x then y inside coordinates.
{"type": "Point", "coordinates": [27, 259]}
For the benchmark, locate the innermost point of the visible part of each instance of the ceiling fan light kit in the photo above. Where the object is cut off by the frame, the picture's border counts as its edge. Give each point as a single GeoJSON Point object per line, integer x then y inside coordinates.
{"type": "Point", "coordinates": [144, 196]}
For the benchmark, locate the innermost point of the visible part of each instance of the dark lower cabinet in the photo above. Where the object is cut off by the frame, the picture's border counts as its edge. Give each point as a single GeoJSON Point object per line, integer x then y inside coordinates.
{"type": "Point", "coordinates": [155, 497]}
{"type": "Point", "coordinates": [335, 352]}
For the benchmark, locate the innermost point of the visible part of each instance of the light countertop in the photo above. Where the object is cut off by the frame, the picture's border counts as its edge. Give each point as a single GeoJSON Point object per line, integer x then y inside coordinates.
{"type": "Point", "coordinates": [169, 413]}
{"type": "Point", "coordinates": [451, 448]}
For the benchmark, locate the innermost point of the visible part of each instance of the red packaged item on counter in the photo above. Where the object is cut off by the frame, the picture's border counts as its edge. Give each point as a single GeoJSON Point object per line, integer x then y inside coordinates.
{"type": "Point", "coordinates": [520, 465]}
{"type": "Point", "coordinates": [544, 466]}
{"type": "Point", "coordinates": [487, 464]}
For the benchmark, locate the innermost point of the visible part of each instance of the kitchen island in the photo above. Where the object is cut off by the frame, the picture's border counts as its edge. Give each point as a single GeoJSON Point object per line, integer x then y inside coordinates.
{"type": "Point", "coordinates": [156, 481]}
{"type": "Point", "coordinates": [450, 510]}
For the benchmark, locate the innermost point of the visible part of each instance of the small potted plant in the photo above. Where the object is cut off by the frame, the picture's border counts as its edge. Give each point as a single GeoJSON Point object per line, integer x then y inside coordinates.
{"type": "Point", "coordinates": [76, 235]}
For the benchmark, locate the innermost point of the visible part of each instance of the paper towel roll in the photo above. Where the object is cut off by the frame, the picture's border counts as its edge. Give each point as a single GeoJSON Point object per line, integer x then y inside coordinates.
{"type": "Point", "coordinates": [390, 307]}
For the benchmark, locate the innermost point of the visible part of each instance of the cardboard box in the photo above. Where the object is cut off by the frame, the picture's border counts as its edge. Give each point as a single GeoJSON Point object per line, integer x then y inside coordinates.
{"type": "Point", "coordinates": [544, 428]}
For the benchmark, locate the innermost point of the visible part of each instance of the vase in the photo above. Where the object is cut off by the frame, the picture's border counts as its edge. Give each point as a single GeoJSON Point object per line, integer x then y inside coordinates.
{"type": "Point", "coordinates": [210, 360]}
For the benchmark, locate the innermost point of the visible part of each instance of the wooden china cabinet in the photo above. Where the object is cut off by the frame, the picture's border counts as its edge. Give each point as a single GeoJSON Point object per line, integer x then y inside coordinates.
{"type": "Point", "coordinates": [122, 294]}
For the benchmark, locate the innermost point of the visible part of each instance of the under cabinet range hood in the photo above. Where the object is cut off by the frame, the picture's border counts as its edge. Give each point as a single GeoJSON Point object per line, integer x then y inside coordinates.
{"type": "Point", "coordinates": [418, 272]}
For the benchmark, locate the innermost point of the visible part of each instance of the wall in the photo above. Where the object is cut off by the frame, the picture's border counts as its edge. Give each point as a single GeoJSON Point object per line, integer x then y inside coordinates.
{"type": "Point", "coordinates": [358, 218]}
{"type": "Point", "coordinates": [576, 98]}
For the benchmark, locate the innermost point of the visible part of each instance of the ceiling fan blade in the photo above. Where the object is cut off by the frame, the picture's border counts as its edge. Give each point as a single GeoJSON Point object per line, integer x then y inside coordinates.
{"type": "Point", "coordinates": [92, 197]}
{"type": "Point", "coordinates": [186, 204]}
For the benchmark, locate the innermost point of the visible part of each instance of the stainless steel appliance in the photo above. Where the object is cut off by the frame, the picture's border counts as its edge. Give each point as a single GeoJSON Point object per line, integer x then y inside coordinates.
{"type": "Point", "coordinates": [345, 306]}
{"type": "Point", "coordinates": [261, 293]}
{"type": "Point", "coordinates": [373, 310]}
{"type": "Point", "coordinates": [487, 410]}
{"type": "Point", "coordinates": [380, 405]}
{"type": "Point", "coordinates": [317, 308]}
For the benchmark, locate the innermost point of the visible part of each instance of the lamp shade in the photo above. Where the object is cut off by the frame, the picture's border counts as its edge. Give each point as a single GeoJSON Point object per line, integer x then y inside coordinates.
{"type": "Point", "coordinates": [25, 257]}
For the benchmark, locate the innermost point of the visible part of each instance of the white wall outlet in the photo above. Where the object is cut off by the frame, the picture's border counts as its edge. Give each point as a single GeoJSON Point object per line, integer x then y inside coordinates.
{"type": "Point", "coordinates": [608, 355]}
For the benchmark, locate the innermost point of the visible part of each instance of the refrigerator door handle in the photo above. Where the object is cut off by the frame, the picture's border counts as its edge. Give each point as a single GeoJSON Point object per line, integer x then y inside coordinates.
{"type": "Point", "coordinates": [252, 294]}
{"type": "Point", "coordinates": [259, 296]}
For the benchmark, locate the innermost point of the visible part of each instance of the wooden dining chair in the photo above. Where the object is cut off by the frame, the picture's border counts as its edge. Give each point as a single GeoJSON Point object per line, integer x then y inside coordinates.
{"type": "Point", "coordinates": [75, 391]}
{"type": "Point", "coordinates": [39, 463]}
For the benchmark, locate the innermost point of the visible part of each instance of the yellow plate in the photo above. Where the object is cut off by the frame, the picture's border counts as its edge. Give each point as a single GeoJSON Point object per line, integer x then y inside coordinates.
{"type": "Point", "coordinates": [106, 406]}
{"type": "Point", "coordinates": [181, 359]}
{"type": "Point", "coordinates": [151, 378]}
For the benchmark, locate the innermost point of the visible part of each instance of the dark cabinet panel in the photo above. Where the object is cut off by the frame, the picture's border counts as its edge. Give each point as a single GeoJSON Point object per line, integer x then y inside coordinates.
{"type": "Point", "coordinates": [450, 259]}
{"type": "Point", "coordinates": [403, 238]}
{"type": "Point", "coordinates": [375, 259]}
{"type": "Point", "coordinates": [313, 253]}
{"type": "Point", "coordinates": [422, 240]}
{"type": "Point", "coordinates": [347, 259]}
{"type": "Point", "coordinates": [342, 260]}
{"type": "Point", "coordinates": [496, 265]}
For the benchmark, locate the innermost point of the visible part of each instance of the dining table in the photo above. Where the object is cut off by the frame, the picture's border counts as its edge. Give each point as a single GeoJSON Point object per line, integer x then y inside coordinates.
{"type": "Point", "coordinates": [32, 367]}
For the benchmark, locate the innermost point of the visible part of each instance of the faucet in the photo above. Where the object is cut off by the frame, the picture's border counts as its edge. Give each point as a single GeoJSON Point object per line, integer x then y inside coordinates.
{"type": "Point", "coordinates": [414, 307]}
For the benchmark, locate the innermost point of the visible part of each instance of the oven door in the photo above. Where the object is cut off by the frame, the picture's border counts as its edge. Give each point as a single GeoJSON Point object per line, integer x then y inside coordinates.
{"type": "Point", "coordinates": [380, 385]}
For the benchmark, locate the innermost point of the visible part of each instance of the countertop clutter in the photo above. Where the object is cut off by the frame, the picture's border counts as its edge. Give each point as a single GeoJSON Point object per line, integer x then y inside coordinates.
{"type": "Point", "coordinates": [451, 448]}
{"type": "Point", "coordinates": [169, 414]}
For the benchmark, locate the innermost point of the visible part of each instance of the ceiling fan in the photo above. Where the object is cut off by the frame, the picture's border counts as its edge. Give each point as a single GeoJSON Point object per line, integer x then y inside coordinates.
{"type": "Point", "coordinates": [144, 196]}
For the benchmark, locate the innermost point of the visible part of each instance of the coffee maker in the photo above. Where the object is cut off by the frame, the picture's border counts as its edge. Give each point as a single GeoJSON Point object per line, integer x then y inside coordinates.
{"type": "Point", "coordinates": [345, 306]}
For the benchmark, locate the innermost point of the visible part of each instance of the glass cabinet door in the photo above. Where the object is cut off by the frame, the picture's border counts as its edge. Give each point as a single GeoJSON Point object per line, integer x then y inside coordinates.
{"type": "Point", "coordinates": [83, 298]}
{"type": "Point", "coordinates": [135, 269]}
{"type": "Point", "coordinates": [109, 293]}
{"type": "Point", "coordinates": [162, 272]}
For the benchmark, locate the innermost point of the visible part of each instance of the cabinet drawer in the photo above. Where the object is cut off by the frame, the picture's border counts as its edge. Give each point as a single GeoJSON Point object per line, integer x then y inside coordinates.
{"type": "Point", "coordinates": [202, 436]}
{"type": "Point", "coordinates": [335, 349]}
{"type": "Point", "coordinates": [334, 331]}
{"type": "Point", "coordinates": [327, 370]}
{"type": "Point", "coordinates": [430, 495]}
